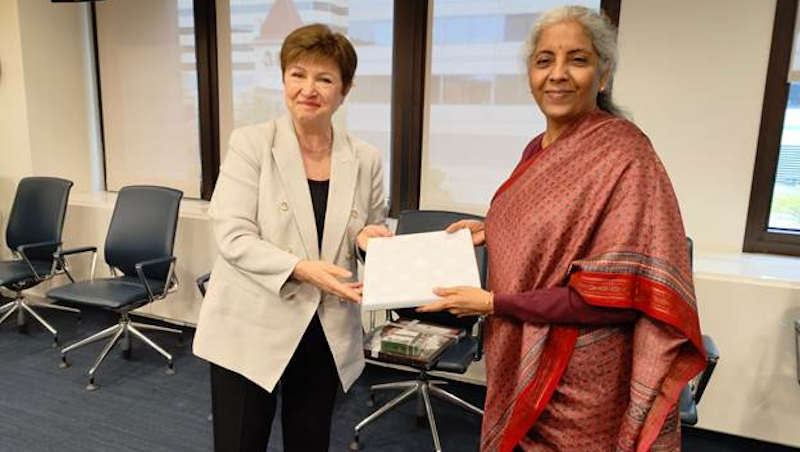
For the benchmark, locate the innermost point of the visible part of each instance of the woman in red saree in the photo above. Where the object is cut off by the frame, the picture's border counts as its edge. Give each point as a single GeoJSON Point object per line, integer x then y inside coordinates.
{"type": "Point", "coordinates": [593, 328]}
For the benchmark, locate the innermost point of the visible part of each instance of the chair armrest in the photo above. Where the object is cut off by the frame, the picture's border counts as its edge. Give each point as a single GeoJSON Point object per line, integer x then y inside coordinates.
{"type": "Point", "coordinates": [82, 249]}
{"type": "Point", "coordinates": [361, 255]}
{"type": "Point", "coordinates": [59, 255]}
{"type": "Point", "coordinates": [479, 324]}
{"type": "Point", "coordinates": [712, 354]}
{"type": "Point", "coordinates": [201, 283]}
{"type": "Point", "coordinates": [22, 249]}
{"type": "Point", "coordinates": [159, 260]}
{"type": "Point", "coordinates": [29, 246]}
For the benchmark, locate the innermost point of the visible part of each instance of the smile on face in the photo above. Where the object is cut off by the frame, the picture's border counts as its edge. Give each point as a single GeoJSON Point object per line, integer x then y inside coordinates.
{"type": "Point", "coordinates": [564, 72]}
{"type": "Point", "coordinates": [313, 89]}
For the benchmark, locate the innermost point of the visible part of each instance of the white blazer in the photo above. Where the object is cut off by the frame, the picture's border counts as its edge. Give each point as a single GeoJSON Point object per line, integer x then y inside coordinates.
{"type": "Point", "coordinates": [254, 314]}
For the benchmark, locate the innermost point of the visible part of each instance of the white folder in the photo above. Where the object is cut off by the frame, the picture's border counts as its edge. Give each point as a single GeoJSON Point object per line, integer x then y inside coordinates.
{"type": "Point", "coordinates": [402, 271]}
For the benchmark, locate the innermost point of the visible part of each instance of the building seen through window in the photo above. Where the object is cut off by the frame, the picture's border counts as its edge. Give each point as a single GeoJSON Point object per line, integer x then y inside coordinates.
{"type": "Point", "coordinates": [480, 110]}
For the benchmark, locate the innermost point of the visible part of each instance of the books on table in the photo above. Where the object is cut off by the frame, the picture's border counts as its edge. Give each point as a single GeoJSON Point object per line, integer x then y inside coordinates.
{"type": "Point", "coordinates": [403, 270]}
{"type": "Point", "coordinates": [409, 341]}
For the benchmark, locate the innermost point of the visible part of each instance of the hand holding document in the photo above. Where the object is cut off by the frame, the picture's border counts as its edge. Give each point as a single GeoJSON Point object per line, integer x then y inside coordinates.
{"type": "Point", "coordinates": [402, 271]}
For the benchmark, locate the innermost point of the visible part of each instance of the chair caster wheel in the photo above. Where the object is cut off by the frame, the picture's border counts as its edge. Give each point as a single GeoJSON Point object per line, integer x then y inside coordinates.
{"type": "Point", "coordinates": [22, 329]}
{"type": "Point", "coordinates": [91, 386]}
{"type": "Point", "coordinates": [355, 445]}
{"type": "Point", "coordinates": [64, 363]}
{"type": "Point", "coordinates": [371, 400]}
{"type": "Point", "coordinates": [126, 354]}
{"type": "Point", "coordinates": [180, 340]}
{"type": "Point", "coordinates": [170, 369]}
{"type": "Point", "coordinates": [55, 342]}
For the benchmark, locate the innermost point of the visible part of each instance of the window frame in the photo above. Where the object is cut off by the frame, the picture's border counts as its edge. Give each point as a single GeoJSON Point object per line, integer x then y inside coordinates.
{"type": "Point", "coordinates": [205, 35]}
{"type": "Point", "coordinates": [759, 238]}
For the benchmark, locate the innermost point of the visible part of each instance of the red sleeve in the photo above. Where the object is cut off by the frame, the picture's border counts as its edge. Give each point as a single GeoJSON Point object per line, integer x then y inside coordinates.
{"type": "Point", "coordinates": [558, 305]}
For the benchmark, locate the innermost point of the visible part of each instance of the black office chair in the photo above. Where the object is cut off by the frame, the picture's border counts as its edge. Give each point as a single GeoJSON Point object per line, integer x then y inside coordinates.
{"type": "Point", "coordinates": [139, 244]}
{"type": "Point", "coordinates": [693, 391]}
{"type": "Point", "coordinates": [455, 359]}
{"type": "Point", "coordinates": [33, 234]}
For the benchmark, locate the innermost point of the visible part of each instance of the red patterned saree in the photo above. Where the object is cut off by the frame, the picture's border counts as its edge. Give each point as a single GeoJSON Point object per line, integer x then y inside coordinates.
{"type": "Point", "coordinates": [594, 210]}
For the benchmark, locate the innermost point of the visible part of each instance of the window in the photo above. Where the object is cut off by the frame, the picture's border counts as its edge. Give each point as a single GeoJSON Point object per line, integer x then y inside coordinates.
{"type": "Point", "coordinates": [251, 78]}
{"type": "Point", "coordinates": [177, 76]}
{"type": "Point", "coordinates": [480, 111]}
{"type": "Point", "coordinates": [148, 82]}
{"type": "Point", "coordinates": [773, 220]}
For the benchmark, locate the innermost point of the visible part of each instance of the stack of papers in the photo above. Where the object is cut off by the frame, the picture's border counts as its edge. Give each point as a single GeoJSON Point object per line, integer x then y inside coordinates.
{"type": "Point", "coordinates": [402, 271]}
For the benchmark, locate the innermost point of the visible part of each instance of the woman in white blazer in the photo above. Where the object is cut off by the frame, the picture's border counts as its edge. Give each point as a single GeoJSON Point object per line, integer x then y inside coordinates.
{"type": "Point", "coordinates": [293, 198]}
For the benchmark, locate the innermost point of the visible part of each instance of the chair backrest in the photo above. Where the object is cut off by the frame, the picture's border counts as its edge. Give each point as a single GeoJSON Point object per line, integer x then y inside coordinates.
{"type": "Point", "coordinates": [37, 214]}
{"type": "Point", "coordinates": [143, 227]}
{"type": "Point", "coordinates": [202, 283]}
{"type": "Point", "coordinates": [712, 353]}
{"type": "Point", "coordinates": [413, 221]}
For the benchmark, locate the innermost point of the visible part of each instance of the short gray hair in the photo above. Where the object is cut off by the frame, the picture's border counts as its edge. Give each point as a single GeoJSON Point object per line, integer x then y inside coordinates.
{"type": "Point", "coordinates": [599, 29]}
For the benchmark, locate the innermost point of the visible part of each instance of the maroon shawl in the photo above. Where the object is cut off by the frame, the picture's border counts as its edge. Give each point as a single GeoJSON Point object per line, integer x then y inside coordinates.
{"type": "Point", "coordinates": [594, 210]}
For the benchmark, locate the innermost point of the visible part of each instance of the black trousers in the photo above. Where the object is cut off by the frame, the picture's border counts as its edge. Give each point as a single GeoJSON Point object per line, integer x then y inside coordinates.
{"type": "Point", "coordinates": [243, 411]}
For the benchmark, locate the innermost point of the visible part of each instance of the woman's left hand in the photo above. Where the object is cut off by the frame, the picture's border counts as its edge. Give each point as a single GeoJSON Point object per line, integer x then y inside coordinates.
{"type": "Point", "coordinates": [461, 301]}
{"type": "Point", "coordinates": [370, 231]}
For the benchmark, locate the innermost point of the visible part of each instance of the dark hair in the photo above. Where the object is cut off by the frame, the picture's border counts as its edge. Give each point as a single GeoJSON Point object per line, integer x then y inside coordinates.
{"type": "Point", "coordinates": [318, 41]}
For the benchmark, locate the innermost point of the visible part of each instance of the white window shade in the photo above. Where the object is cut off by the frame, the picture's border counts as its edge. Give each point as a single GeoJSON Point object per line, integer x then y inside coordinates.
{"type": "Point", "coordinates": [148, 81]}
{"type": "Point", "coordinates": [480, 113]}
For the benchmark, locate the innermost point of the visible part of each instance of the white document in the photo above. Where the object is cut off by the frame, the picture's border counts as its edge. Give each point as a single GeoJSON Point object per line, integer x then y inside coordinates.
{"type": "Point", "coordinates": [402, 271]}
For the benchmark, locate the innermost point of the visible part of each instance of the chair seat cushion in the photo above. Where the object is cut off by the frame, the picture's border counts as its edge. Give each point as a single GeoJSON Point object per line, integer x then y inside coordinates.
{"type": "Point", "coordinates": [457, 357]}
{"type": "Point", "coordinates": [17, 270]}
{"type": "Point", "coordinates": [110, 293]}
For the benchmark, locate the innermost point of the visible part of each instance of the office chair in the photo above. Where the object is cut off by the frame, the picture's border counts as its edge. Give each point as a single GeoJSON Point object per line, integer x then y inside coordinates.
{"type": "Point", "coordinates": [139, 244]}
{"type": "Point", "coordinates": [33, 234]}
{"type": "Point", "coordinates": [455, 359]}
{"type": "Point", "coordinates": [693, 391]}
{"type": "Point", "coordinates": [797, 347]}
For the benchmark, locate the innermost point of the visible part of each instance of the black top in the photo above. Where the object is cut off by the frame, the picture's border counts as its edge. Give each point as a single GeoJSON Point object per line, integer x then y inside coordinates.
{"type": "Point", "coordinates": [319, 199]}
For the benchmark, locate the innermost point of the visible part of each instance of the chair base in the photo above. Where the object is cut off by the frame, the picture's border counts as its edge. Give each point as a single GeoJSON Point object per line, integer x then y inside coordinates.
{"type": "Point", "coordinates": [122, 330]}
{"type": "Point", "coordinates": [23, 307]}
{"type": "Point", "coordinates": [423, 388]}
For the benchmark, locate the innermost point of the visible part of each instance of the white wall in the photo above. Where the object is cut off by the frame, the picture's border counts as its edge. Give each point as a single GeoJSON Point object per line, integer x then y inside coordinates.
{"type": "Point", "coordinates": [692, 74]}
{"type": "Point", "coordinates": [754, 390]}
{"type": "Point", "coordinates": [46, 103]}
{"type": "Point", "coordinates": [14, 139]}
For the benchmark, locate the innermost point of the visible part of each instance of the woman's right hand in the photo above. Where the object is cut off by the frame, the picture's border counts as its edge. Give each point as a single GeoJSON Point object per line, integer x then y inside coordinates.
{"type": "Point", "coordinates": [325, 276]}
{"type": "Point", "coordinates": [475, 227]}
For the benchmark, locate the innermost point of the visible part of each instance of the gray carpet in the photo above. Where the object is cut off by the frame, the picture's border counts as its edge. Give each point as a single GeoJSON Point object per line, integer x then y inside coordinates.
{"type": "Point", "coordinates": [139, 408]}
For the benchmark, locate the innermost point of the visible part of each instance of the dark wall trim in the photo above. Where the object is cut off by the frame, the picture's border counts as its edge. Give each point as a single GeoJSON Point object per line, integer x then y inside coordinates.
{"type": "Point", "coordinates": [758, 237]}
{"type": "Point", "coordinates": [612, 9]}
{"type": "Point", "coordinates": [205, 25]}
{"type": "Point", "coordinates": [408, 102]}
{"type": "Point", "coordinates": [99, 93]}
